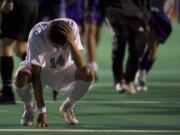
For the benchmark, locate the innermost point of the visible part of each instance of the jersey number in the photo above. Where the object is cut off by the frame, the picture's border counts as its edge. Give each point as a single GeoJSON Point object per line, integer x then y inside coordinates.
{"type": "Point", "coordinates": [60, 61]}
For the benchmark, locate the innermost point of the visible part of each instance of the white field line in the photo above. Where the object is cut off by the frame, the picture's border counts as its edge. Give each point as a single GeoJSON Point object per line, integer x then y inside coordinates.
{"type": "Point", "coordinates": [153, 72]}
{"type": "Point", "coordinates": [3, 111]}
{"type": "Point", "coordinates": [171, 84]}
{"type": "Point", "coordinates": [112, 102]}
{"type": "Point", "coordinates": [91, 130]}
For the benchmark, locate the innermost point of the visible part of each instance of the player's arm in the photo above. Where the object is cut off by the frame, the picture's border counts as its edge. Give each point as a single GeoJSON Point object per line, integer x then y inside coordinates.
{"type": "Point", "coordinates": [75, 51]}
{"type": "Point", "coordinates": [35, 58]}
{"type": "Point", "coordinates": [76, 54]}
{"type": "Point", "coordinates": [38, 93]}
{"type": "Point", "coordinates": [36, 81]}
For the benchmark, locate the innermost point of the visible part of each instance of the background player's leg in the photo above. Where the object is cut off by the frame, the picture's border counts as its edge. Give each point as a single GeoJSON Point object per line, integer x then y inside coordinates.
{"type": "Point", "coordinates": [7, 71]}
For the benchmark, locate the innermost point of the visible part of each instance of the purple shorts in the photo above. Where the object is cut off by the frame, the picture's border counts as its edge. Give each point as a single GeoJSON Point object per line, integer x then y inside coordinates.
{"type": "Point", "coordinates": [75, 11]}
{"type": "Point", "coordinates": [162, 26]}
{"type": "Point", "coordinates": [96, 15]}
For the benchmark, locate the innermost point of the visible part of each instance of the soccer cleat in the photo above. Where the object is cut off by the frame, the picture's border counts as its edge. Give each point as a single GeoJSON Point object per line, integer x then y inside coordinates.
{"type": "Point", "coordinates": [68, 115]}
{"type": "Point", "coordinates": [140, 80]}
{"type": "Point", "coordinates": [142, 87]}
{"type": "Point", "coordinates": [7, 101]}
{"type": "Point", "coordinates": [122, 87]}
{"type": "Point", "coordinates": [129, 88]}
{"type": "Point", "coordinates": [7, 96]}
{"type": "Point", "coordinates": [28, 115]}
{"type": "Point", "coordinates": [118, 87]}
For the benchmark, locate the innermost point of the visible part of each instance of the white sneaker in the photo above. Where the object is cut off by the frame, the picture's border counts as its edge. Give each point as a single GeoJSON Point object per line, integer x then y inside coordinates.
{"type": "Point", "coordinates": [129, 88]}
{"type": "Point", "coordinates": [28, 115]}
{"type": "Point", "coordinates": [140, 80]}
{"type": "Point", "coordinates": [68, 115]}
{"type": "Point", "coordinates": [118, 87]}
{"type": "Point", "coordinates": [142, 87]}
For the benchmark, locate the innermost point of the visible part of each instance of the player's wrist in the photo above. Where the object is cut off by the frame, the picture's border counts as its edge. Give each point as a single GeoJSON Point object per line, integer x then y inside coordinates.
{"type": "Point", "coordinates": [42, 109]}
{"type": "Point", "coordinates": [70, 42]}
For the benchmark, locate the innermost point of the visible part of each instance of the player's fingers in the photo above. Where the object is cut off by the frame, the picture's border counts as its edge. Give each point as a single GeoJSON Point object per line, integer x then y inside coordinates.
{"type": "Point", "coordinates": [63, 29]}
{"type": "Point", "coordinates": [65, 26]}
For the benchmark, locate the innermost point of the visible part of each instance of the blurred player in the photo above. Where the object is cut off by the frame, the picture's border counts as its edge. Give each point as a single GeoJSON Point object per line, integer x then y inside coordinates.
{"type": "Point", "coordinates": [48, 9]}
{"type": "Point", "coordinates": [74, 9]}
{"type": "Point", "coordinates": [160, 30]}
{"type": "Point", "coordinates": [18, 17]}
{"type": "Point", "coordinates": [53, 58]}
{"type": "Point", "coordinates": [93, 23]}
{"type": "Point", "coordinates": [126, 21]}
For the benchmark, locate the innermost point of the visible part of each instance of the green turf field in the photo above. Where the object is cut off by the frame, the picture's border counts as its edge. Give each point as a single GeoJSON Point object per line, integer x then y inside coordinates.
{"type": "Point", "coordinates": [105, 112]}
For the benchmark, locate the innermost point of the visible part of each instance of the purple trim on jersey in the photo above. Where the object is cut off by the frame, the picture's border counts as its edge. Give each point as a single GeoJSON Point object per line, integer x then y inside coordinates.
{"type": "Point", "coordinates": [75, 12]}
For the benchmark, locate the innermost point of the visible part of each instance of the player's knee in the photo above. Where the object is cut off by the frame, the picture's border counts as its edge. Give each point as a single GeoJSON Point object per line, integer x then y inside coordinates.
{"type": "Point", "coordinates": [23, 78]}
{"type": "Point", "coordinates": [89, 73]}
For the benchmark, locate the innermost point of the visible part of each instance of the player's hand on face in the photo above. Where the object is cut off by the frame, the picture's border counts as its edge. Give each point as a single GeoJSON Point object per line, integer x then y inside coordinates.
{"type": "Point", "coordinates": [67, 30]}
{"type": "Point", "coordinates": [42, 120]}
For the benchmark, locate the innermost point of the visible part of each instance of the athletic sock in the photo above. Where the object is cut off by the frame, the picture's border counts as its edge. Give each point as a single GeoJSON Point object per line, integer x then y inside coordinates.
{"type": "Point", "coordinates": [25, 94]}
{"type": "Point", "coordinates": [143, 62]}
{"type": "Point", "coordinates": [80, 89]}
{"type": "Point", "coordinates": [7, 66]}
{"type": "Point", "coordinates": [149, 65]}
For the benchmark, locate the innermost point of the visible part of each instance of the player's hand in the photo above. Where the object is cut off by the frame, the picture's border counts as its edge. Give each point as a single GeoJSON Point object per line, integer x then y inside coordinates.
{"type": "Point", "coordinates": [42, 120]}
{"type": "Point", "coordinates": [67, 31]}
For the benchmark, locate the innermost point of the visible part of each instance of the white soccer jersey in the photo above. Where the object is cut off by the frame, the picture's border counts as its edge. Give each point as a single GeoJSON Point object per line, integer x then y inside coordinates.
{"type": "Point", "coordinates": [53, 61]}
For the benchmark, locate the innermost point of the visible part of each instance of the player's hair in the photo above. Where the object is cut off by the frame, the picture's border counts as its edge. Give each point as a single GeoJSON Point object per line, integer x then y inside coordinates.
{"type": "Point", "coordinates": [56, 34]}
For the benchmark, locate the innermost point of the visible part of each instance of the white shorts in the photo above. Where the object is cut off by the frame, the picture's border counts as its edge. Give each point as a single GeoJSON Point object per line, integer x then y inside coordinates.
{"type": "Point", "coordinates": [63, 81]}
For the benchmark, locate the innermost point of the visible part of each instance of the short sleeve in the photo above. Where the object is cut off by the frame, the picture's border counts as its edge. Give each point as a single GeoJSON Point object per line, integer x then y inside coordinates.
{"type": "Point", "coordinates": [35, 49]}
{"type": "Point", "coordinates": [77, 38]}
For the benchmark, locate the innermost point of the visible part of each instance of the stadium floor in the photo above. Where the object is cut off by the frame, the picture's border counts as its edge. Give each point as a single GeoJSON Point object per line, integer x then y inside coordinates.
{"type": "Point", "coordinates": [105, 112]}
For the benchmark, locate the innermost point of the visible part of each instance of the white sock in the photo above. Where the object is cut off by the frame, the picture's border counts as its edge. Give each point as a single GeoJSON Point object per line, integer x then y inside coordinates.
{"type": "Point", "coordinates": [25, 94]}
{"type": "Point", "coordinates": [80, 89]}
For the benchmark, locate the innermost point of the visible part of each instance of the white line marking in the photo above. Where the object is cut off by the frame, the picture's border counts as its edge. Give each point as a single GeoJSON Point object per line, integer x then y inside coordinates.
{"type": "Point", "coordinates": [171, 84]}
{"type": "Point", "coordinates": [91, 130]}
{"type": "Point", "coordinates": [152, 73]}
{"type": "Point", "coordinates": [3, 111]}
{"type": "Point", "coordinates": [112, 102]}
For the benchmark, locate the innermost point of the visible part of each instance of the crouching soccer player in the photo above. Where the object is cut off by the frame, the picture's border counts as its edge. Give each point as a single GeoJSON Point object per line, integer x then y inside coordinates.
{"type": "Point", "coordinates": [54, 59]}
